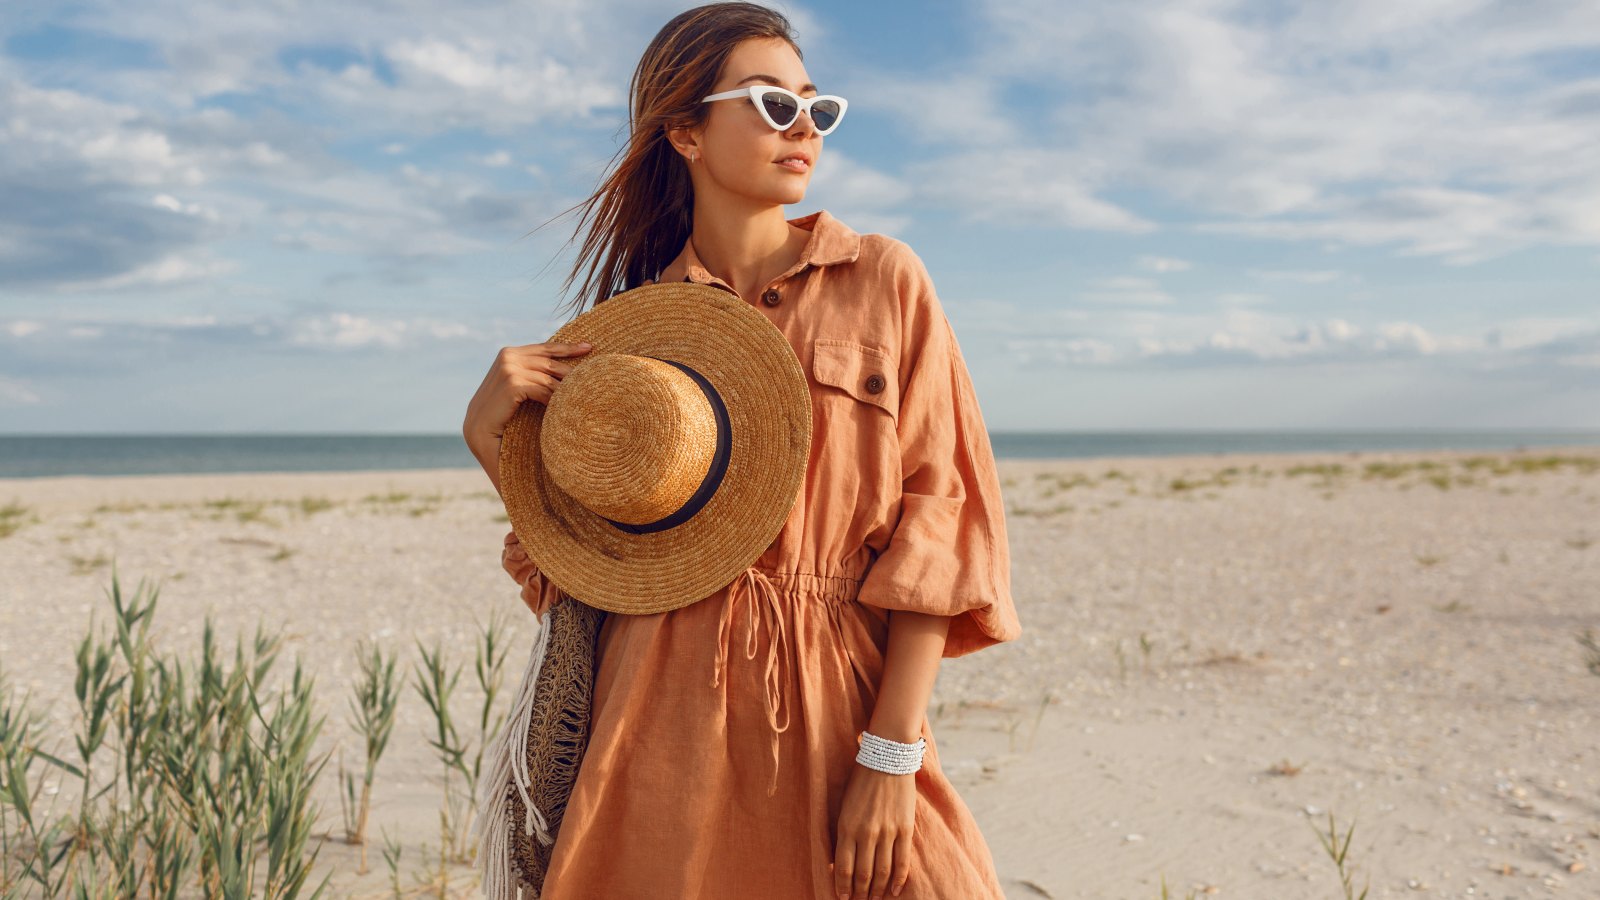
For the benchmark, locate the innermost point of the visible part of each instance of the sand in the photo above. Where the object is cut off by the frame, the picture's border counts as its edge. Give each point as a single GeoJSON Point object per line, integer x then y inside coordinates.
{"type": "Point", "coordinates": [1217, 653]}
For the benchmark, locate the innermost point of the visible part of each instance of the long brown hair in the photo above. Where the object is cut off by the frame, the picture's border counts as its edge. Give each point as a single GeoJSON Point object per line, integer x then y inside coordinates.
{"type": "Point", "coordinates": [646, 205]}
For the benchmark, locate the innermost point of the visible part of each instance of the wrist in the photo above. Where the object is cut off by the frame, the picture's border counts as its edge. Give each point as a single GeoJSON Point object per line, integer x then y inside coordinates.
{"type": "Point", "coordinates": [486, 450]}
{"type": "Point", "coordinates": [889, 756]}
{"type": "Point", "coordinates": [484, 446]}
{"type": "Point", "coordinates": [905, 734]}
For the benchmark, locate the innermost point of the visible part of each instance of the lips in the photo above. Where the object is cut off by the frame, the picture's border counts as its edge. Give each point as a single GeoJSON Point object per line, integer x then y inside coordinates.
{"type": "Point", "coordinates": [796, 163]}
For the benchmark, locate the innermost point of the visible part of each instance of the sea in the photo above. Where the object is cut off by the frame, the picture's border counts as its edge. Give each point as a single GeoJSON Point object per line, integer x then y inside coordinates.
{"type": "Point", "coordinates": [45, 456]}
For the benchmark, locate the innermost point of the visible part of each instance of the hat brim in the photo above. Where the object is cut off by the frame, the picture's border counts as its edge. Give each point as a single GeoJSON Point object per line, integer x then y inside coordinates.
{"type": "Point", "coordinates": [753, 367]}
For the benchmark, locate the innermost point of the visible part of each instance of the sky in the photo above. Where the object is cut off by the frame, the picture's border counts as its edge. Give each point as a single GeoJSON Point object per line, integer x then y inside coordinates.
{"type": "Point", "coordinates": [296, 217]}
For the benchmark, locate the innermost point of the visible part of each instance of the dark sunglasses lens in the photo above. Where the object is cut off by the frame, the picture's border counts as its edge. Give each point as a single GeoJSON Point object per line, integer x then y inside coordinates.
{"type": "Point", "coordinates": [824, 114]}
{"type": "Point", "coordinates": [781, 108]}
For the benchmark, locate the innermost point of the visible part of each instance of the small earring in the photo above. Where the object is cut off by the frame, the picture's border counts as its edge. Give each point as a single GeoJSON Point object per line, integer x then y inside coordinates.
{"type": "Point", "coordinates": [691, 156]}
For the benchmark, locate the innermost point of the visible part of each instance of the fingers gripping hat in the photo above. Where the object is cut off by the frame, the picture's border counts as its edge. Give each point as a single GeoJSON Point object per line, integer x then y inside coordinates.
{"type": "Point", "coordinates": [668, 459]}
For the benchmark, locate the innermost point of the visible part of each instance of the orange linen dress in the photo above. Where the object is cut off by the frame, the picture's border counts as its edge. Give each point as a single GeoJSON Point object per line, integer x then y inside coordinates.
{"type": "Point", "coordinates": [723, 732]}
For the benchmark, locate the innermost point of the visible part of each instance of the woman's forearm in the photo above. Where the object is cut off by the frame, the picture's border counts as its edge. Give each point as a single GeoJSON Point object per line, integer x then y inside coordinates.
{"type": "Point", "coordinates": [910, 667]}
{"type": "Point", "coordinates": [486, 449]}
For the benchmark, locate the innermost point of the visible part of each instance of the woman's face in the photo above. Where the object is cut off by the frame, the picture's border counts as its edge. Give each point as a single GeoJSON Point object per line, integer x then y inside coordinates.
{"type": "Point", "coordinates": [736, 151]}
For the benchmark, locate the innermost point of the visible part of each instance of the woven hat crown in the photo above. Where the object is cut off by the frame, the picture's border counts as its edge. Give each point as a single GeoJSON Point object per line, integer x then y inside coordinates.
{"type": "Point", "coordinates": [632, 438]}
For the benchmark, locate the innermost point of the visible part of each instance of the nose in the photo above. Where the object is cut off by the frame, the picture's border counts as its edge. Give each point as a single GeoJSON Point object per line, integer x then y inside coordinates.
{"type": "Point", "coordinates": [803, 114]}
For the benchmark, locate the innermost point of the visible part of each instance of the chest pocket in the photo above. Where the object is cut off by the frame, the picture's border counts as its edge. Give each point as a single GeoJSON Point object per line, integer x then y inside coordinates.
{"type": "Point", "coordinates": [865, 373]}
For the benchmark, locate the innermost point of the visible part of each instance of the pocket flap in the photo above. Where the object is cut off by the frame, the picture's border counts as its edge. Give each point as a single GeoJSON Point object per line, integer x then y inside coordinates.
{"type": "Point", "coordinates": [866, 373]}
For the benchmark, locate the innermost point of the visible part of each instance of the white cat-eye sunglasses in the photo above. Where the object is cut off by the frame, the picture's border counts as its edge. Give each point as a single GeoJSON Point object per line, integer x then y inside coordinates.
{"type": "Point", "coordinates": [782, 107]}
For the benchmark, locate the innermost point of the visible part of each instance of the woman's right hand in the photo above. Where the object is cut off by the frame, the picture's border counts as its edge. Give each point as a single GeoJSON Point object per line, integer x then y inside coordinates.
{"type": "Point", "coordinates": [528, 372]}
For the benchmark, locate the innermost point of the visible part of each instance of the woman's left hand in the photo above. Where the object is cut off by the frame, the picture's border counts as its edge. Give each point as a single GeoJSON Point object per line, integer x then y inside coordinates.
{"type": "Point", "coordinates": [876, 818]}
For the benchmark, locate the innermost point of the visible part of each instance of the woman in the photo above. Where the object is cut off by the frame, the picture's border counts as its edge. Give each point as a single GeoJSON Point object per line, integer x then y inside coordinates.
{"type": "Point", "coordinates": [720, 769]}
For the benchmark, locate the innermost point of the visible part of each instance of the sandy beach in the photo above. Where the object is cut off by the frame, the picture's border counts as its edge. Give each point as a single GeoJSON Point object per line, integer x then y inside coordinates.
{"type": "Point", "coordinates": [1217, 653]}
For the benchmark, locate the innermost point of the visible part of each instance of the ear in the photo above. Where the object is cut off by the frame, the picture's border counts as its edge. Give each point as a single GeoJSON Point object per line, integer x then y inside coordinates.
{"type": "Point", "coordinates": [685, 139]}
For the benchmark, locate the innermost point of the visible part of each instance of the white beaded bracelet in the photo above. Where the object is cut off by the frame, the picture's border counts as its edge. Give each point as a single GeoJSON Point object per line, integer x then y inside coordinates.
{"type": "Point", "coordinates": [889, 756]}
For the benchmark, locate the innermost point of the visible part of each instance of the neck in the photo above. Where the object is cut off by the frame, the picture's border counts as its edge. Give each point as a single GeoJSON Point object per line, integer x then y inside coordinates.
{"type": "Point", "coordinates": [746, 245]}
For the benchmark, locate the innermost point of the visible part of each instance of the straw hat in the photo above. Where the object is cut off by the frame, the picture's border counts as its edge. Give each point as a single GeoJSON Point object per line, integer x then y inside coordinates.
{"type": "Point", "coordinates": [668, 459]}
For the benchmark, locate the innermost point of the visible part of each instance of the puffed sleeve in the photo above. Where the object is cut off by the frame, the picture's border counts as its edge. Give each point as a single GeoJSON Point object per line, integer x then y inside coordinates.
{"type": "Point", "coordinates": [538, 592]}
{"type": "Point", "coordinates": [948, 553]}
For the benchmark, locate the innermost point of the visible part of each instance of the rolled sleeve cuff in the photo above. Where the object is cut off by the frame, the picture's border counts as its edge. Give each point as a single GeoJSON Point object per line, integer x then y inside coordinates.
{"type": "Point", "coordinates": [927, 568]}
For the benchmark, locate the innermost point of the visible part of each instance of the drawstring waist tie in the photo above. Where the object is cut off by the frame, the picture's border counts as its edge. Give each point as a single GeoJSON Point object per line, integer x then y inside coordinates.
{"type": "Point", "coordinates": [761, 593]}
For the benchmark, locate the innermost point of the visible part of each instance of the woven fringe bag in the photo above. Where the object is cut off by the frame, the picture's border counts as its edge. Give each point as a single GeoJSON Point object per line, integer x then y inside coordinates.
{"type": "Point", "coordinates": [535, 758]}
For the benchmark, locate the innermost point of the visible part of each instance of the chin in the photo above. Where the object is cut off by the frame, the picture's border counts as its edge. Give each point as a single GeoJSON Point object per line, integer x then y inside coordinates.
{"type": "Point", "coordinates": [794, 194]}
{"type": "Point", "coordinates": [780, 188]}
{"type": "Point", "coordinates": [782, 198]}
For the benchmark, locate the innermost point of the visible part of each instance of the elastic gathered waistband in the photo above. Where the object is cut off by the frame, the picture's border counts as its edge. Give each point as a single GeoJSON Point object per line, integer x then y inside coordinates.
{"type": "Point", "coordinates": [837, 588]}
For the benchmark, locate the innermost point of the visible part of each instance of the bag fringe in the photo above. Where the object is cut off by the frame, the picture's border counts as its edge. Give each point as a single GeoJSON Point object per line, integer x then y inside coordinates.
{"type": "Point", "coordinates": [509, 766]}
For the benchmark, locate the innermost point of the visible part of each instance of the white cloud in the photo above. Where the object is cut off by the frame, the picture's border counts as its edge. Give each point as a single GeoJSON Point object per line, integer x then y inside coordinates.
{"type": "Point", "coordinates": [457, 65]}
{"type": "Point", "coordinates": [147, 156]}
{"type": "Point", "coordinates": [1534, 331]}
{"type": "Point", "coordinates": [170, 271]}
{"type": "Point", "coordinates": [1319, 276]}
{"type": "Point", "coordinates": [477, 70]}
{"type": "Point", "coordinates": [866, 198]}
{"type": "Point", "coordinates": [1164, 264]}
{"type": "Point", "coordinates": [330, 331]}
{"type": "Point", "coordinates": [67, 158]}
{"type": "Point", "coordinates": [1081, 351]}
{"type": "Point", "coordinates": [48, 125]}
{"type": "Point", "coordinates": [173, 204]}
{"type": "Point", "coordinates": [14, 392]}
{"type": "Point", "coordinates": [1230, 335]}
{"type": "Point", "coordinates": [1432, 130]}
{"type": "Point", "coordinates": [1019, 186]}
{"type": "Point", "coordinates": [347, 330]}
{"type": "Point", "coordinates": [1239, 298]}
{"type": "Point", "coordinates": [983, 118]}
{"type": "Point", "coordinates": [1126, 290]}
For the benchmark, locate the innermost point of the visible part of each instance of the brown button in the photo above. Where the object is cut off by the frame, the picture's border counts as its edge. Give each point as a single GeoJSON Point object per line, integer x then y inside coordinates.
{"type": "Point", "coordinates": [771, 297]}
{"type": "Point", "coordinates": [874, 384]}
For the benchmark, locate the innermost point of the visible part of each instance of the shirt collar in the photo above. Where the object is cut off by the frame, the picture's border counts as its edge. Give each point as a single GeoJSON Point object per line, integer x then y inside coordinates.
{"type": "Point", "coordinates": [831, 241]}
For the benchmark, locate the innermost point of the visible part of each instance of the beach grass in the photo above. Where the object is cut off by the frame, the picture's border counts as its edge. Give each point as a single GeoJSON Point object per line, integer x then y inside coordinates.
{"type": "Point", "coordinates": [195, 777]}
{"type": "Point", "coordinates": [190, 773]}
{"type": "Point", "coordinates": [1040, 496]}
{"type": "Point", "coordinates": [13, 516]}
{"type": "Point", "coordinates": [372, 706]}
